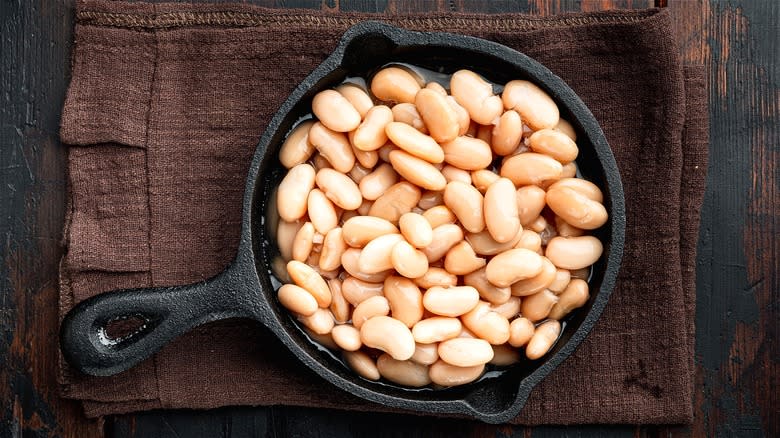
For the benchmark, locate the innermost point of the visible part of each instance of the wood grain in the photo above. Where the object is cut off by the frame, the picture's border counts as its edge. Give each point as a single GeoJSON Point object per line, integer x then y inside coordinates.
{"type": "Point", "coordinates": [737, 341]}
{"type": "Point", "coordinates": [35, 64]}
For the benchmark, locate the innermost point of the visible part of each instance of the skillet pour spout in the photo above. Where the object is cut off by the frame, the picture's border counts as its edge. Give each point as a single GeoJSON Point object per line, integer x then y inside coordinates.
{"type": "Point", "coordinates": [245, 288]}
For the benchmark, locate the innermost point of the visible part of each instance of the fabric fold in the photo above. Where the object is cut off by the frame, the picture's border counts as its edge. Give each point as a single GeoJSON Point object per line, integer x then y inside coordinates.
{"type": "Point", "coordinates": [164, 110]}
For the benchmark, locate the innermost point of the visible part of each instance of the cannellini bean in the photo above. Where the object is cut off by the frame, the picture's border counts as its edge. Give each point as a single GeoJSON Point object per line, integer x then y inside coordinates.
{"type": "Point", "coordinates": [520, 332]}
{"type": "Point", "coordinates": [484, 244]}
{"type": "Point", "coordinates": [465, 352]}
{"type": "Point", "coordinates": [370, 135]}
{"type": "Point", "coordinates": [565, 229]}
{"type": "Point", "coordinates": [430, 199]}
{"type": "Point", "coordinates": [333, 248]}
{"type": "Point", "coordinates": [436, 277]}
{"type": "Point", "coordinates": [530, 203]}
{"type": "Point", "coordinates": [334, 146]}
{"type": "Point", "coordinates": [504, 355]}
{"type": "Point", "coordinates": [403, 372]}
{"type": "Point", "coordinates": [408, 261]}
{"type": "Point", "coordinates": [574, 252]}
{"type": "Point", "coordinates": [501, 213]}
{"type": "Point", "coordinates": [321, 212]}
{"type": "Point", "coordinates": [405, 300]}
{"type": "Point", "coordinates": [389, 335]}
{"type": "Point", "coordinates": [347, 337]}
{"type": "Point", "coordinates": [486, 324]}
{"type": "Point", "coordinates": [582, 186]}
{"type": "Point", "coordinates": [452, 301]}
{"type": "Point", "coordinates": [440, 118]}
{"type": "Point", "coordinates": [467, 204]}
{"type": "Point", "coordinates": [297, 299]}
{"type": "Point", "coordinates": [540, 281]}
{"type": "Point", "coordinates": [444, 237]}
{"type": "Point", "coordinates": [360, 230]}
{"type": "Point", "coordinates": [325, 340]}
{"type": "Point", "coordinates": [536, 307]}
{"type": "Point", "coordinates": [417, 171]}
{"type": "Point", "coordinates": [538, 225]}
{"type": "Point", "coordinates": [397, 200]}
{"type": "Point", "coordinates": [476, 96]}
{"type": "Point", "coordinates": [358, 172]}
{"type": "Point", "coordinates": [296, 148]}
{"type": "Point", "coordinates": [367, 159]}
{"type": "Point", "coordinates": [357, 96]}
{"type": "Point", "coordinates": [285, 237]}
{"type": "Point", "coordinates": [414, 142]}
{"type": "Point", "coordinates": [437, 87]}
{"type": "Point", "coordinates": [370, 308]}
{"type": "Point", "coordinates": [416, 229]}
{"type": "Point", "coordinates": [530, 168]}
{"type": "Point", "coordinates": [320, 162]}
{"type": "Point", "coordinates": [513, 265]}
{"type": "Point", "coordinates": [483, 178]}
{"type": "Point", "coordinates": [536, 107]}
{"type": "Point", "coordinates": [576, 209]}
{"type": "Point", "coordinates": [543, 339]}
{"type": "Point", "coordinates": [569, 170]}
{"type": "Point", "coordinates": [509, 309]}
{"type": "Point", "coordinates": [393, 84]}
{"type": "Point", "coordinates": [306, 277]}
{"type": "Point", "coordinates": [452, 173]}
{"type": "Point", "coordinates": [561, 280]}
{"type": "Point", "coordinates": [362, 364]}
{"type": "Point", "coordinates": [566, 128]}
{"type": "Point", "coordinates": [349, 261]}
{"type": "Point", "coordinates": [439, 215]}
{"type": "Point", "coordinates": [293, 192]}
{"type": "Point", "coordinates": [468, 153]}
{"type": "Point", "coordinates": [339, 306]}
{"type": "Point", "coordinates": [573, 297]}
{"type": "Point", "coordinates": [339, 188]}
{"type": "Point", "coordinates": [529, 240]}
{"type": "Point", "coordinates": [320, 322]}
{"type": "Point", "coordinates": [373, 185]}
{"type": "Point", "coordinates": [464, 120]}
{"type": "Point", "coordinates": [555, 144]}
{"type": "Point", "coordinates": [487, 291]}
{"type": "Point", "coordinates": [356, 291]}
{"type": "Point", "coordinates": [425, 354]}
{"type": "Point", "coordinates": [334, 111]}
{"type": "Point", "coordinates": [507, 133]}
{"type": "Point", "coordinates": [444, 374]}
{"type": "Point", "coordinates": [407, 113]}
{"type": "Point", "coordinates": [436, 329]}
{"type": "Point", "coordinates": [303, 242]}
{"type": "Point", "coordinates": [461, 259]}
{"type": "Point", "coordinates": [376, 255]}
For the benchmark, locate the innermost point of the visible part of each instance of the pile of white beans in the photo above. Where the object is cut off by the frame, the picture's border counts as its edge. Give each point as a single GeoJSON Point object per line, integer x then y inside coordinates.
{"type": "Point", "coordinates": [425, 234]}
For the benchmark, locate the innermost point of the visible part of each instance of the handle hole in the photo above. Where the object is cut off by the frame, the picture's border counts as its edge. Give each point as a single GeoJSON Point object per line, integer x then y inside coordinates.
{"type": "Point", "coordinates": [121, 329]}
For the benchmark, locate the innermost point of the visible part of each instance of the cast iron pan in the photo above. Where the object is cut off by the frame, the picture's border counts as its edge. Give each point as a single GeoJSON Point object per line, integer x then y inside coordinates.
{"type": "Point", "coordinates": [245, 290]}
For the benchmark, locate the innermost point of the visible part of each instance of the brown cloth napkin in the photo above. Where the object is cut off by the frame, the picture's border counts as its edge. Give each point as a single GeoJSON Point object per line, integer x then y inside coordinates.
{"type": "Point", "coordinates": [163, 113]}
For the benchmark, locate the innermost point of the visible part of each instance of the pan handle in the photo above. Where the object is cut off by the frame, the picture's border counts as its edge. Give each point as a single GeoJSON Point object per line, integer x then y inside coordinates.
{"type": "Point", "coordinates": [165, 312]}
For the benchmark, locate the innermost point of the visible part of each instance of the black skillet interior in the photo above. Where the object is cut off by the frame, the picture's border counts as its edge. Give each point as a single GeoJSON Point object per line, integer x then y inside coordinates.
{"type": "Point", "coordinates": [366, 47]}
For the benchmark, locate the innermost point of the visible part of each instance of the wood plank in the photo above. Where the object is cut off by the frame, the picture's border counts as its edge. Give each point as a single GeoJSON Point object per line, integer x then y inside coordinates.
{"type": "Point", "coordinates": [737, 331]}
{"type": "Point", "coordinates": [35, 63]}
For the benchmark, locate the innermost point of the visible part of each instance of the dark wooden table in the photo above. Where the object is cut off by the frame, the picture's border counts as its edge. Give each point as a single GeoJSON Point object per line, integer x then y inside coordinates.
{"type": "Point", "coordinates": [737, 342]}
